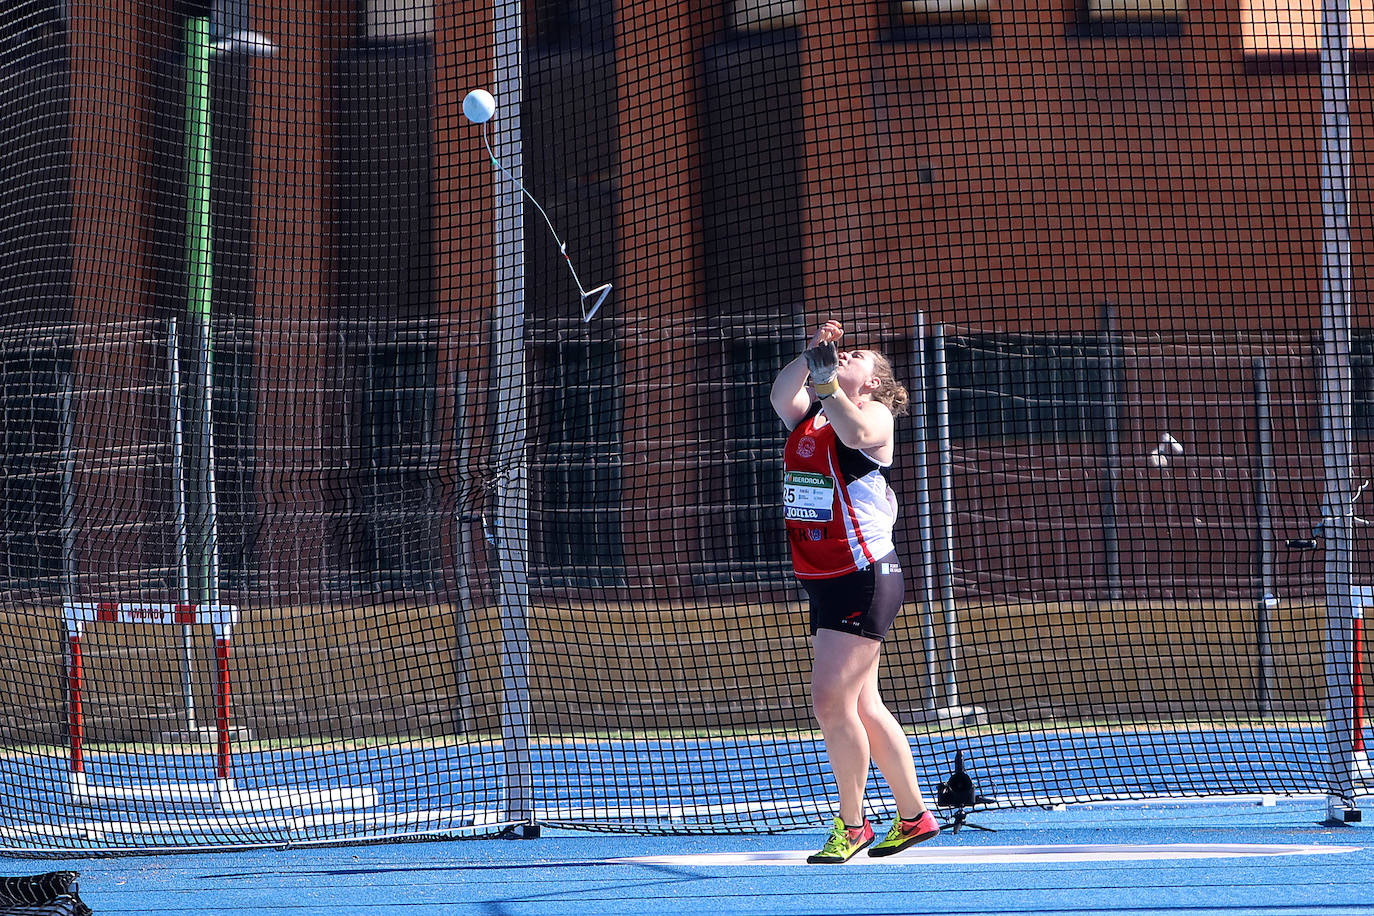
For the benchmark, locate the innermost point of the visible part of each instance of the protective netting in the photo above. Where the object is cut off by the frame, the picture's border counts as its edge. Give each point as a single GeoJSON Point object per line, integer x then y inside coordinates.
{"type": "Point", "coordinates": [329, 514]}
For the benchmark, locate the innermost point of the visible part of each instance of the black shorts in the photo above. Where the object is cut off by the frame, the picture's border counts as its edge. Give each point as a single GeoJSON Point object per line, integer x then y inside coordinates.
{"type": "Point", "coordinates": [863, 603]}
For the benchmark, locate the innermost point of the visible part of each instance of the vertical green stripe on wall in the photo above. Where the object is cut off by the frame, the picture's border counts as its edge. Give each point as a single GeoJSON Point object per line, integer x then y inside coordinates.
{"type": "Point", "coordinates": [199, 280]}
{"type": "Point", "coordinates": [200, 290]}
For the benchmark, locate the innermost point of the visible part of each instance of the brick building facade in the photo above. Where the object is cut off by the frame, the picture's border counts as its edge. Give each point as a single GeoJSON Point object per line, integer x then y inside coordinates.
{"type": "Point", "coordinates": [740, 171]}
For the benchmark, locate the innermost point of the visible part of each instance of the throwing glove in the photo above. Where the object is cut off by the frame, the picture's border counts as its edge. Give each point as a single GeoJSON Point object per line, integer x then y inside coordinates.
{"type": "Point", "coordinates": [823, 362]}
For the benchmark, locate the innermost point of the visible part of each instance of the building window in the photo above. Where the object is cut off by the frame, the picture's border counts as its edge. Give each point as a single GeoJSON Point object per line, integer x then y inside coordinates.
{"type": "Point", "coordinates": [575, 482]}
{"type": "Point", "coordinates": [574, 23]}
{"type": "Point", "coordinates": [1126, 18]}
{"type": "Point", "coordinates": [1292, 28]}
{"type": "Point", "coordinates": [229, 17]}
{"type": "Point", "coordinates": [1005, 387]}
{"type": "Point", "coordinates": [390, 521]}
{"type": "Point", "coordinates": [27, 27]}
{"type": "Point", "coordinates": [1135, 9]}
{"type": "Point", "coordinates": [399, 20]}
{"type": "Point", "coordinates": [36, 447]}
{"type": "Point", "coordinates": [942, 20]}
{"type": "Point", "coordinates": [742, 468]}
{"type": "Point", "coordinates": [765, 15]}
{"type": "Point", "coordinates": [233, 420]}
{"type": "Point", "coordinates": [1362, 381]}
{"type": "Point", "coordinates": [758, 538]}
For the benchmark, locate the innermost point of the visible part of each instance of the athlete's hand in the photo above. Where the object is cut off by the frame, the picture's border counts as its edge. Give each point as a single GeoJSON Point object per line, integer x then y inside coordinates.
{"type": "Point", "coordinates": [823, 362]}
{"type": "Point", "coordinates": [830, 331]}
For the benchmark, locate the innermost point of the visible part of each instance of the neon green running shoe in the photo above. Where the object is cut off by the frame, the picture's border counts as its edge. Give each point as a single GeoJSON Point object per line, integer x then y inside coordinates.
{"type": "Point", "coordinates": [906, 833]}
{"type": "Point", "coordinates": [844, 842]}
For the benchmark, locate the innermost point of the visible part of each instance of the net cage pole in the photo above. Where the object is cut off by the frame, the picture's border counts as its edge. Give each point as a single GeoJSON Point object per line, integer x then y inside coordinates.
{"type": "Point", "coordinates": [1264, 534]}
{"type": "Point", "coordinates": [71, 647]}
{"type": "Point", "coordinates": [198, 564]}
{"type": "Point", "coordinates": [954, 709]}
{"type": "Point", "coordinates": [1109, 487]}
{"type": "Point", "coordinates": [508, 346]}
{"type": "Point", "coordinates": [1336, 405]}
{"type": "Point", "coordinates": [923, 513]}
{"type": "Point", "coordinates": [201, 294]}
{"type": "Point", "coordinates": [67, 487]}
{"type": "Point", "coordinates": [946, 445]}
{"type": "Point", "coordinates": [467, 557]}
{"type": "Point", "coordinates": [183, 558]}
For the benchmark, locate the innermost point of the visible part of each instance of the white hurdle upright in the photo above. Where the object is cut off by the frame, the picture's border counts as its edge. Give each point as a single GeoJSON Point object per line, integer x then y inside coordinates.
{"type": "Point", "coordinates": [222, 793]}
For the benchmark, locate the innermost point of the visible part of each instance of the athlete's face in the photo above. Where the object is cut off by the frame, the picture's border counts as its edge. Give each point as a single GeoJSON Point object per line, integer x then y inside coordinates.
{"type": "Point", "coordinates": [858, 371]}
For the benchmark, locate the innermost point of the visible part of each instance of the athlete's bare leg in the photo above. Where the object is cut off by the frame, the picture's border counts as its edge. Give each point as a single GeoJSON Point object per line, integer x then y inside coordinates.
{"type": "Point", "coordinates": [838, 675]}
{"type": "Point", "coordinates": [857, 726]}
{"type": "Point", "coordinates": [889, 748]}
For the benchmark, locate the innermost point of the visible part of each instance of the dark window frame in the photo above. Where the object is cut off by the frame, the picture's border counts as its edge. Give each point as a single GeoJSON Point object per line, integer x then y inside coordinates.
{"type": "Point", "coordinates": [391, 520]}
{"type": "Point", "coordinates": [587, 24]}
{"type": "Point", "coordinates": [1163, 25]}
{"type": "Point", "coordinates": [230, 16]}
{"type": "Point", "coordinates": [577, 428]}
{"type": "Point", "coordinates": [1022, 382]}
{"type": "Point", "coordinates": [968, 25]}
{"type": "Point", "coordinates": [1362, 382]}
{"type": "Point", "coordinates": [756, 538]}
{"type": "Point", "coordinates": [35, 405]}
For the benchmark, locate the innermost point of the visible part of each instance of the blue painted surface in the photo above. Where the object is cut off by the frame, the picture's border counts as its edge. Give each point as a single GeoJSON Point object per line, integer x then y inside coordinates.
{"type": "Point", "coordinates": [566, 873]}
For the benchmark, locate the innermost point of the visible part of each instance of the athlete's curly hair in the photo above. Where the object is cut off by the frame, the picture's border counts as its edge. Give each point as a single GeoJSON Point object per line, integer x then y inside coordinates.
{"type": "Point", "coordinates": [890, 391]}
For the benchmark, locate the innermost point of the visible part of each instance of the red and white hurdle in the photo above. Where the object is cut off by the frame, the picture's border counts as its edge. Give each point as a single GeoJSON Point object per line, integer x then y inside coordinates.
{"type": "Point", "coordinates": [1363, 595]}
{"type": "Point", "coordinates": [1363, 771]}
{"type": "Point", "coordinates": [223, 792]}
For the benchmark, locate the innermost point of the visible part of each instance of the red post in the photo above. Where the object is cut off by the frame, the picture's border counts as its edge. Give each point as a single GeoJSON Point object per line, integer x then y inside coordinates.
{"type": "Point", "coordinates": [1358, 664]}
{"type": "Point", "coordinates": [74, 717]}
{"type": "Point", "coordinates": [222, 705]}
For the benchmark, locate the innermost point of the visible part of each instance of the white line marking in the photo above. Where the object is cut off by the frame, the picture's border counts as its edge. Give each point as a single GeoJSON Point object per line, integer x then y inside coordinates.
{"type": "Point", "coordinates": [973, 855]}
{"type": "Point", "coordinates": [216, 825]}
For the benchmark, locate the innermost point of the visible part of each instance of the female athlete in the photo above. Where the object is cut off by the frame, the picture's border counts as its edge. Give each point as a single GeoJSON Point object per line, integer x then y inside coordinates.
{"type": "Point", "coordinates": [840, 513]}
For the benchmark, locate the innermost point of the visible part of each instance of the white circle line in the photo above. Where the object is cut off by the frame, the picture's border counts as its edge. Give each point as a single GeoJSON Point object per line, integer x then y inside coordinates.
{"type": "Point", "coordinates": [955, 855]}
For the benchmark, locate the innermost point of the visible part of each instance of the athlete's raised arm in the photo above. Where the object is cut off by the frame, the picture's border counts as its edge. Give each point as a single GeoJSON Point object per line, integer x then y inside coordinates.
{"type": "Point", "coordinates": [789, 397]}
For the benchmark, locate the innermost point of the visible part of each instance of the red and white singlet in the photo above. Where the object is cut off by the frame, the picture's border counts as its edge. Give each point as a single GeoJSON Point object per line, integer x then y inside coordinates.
{"type": "Point", "coordinates": [836, 501]}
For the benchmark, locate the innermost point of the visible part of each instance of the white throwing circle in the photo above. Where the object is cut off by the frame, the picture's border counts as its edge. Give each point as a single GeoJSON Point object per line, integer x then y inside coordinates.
{"type": "Point", "coordinates": [973, 855]}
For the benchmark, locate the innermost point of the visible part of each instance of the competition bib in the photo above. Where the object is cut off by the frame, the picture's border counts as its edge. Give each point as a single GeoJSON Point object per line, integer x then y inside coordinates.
{"type": "Point", "coordinates": [807, 497]}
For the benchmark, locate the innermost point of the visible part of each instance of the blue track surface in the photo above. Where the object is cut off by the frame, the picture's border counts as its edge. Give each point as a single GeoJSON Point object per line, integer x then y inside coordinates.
{"type": "Point", "coordinates": [572, 874]}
